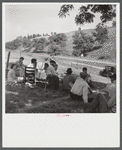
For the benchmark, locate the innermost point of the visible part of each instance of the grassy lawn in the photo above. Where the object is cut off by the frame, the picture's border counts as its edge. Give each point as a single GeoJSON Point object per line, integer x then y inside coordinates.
{"type": "Point", "coordinates": [22, 99]}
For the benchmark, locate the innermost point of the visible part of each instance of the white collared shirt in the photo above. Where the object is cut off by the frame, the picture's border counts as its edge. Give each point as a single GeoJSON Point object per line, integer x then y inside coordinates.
{"type": "Point", "coordinates": [40, 66]}
{"type": "Point", "coordinates": [81, 87]}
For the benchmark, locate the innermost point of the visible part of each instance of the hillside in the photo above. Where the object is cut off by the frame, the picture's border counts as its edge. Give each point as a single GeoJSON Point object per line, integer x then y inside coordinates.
{"type": "Point", "coordinates": [69, 42]}
{"type": "Point", "coordinates": [107, 52]}
{"type": "Point", "coordinates": [108, 48]}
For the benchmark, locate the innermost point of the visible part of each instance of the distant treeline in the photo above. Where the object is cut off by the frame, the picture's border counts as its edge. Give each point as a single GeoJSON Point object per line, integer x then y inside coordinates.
{"type": "Point", "coordinates": [55, 43]}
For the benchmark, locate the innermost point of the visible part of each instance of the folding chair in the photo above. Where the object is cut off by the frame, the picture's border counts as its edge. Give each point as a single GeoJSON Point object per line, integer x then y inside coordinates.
{"type": "Point", "coordinates": [30, 74]}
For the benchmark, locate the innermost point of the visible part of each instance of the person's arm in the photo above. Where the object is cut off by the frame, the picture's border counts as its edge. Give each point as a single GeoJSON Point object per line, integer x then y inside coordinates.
{"type": "Point", "coordinates": [73, 80]}
{"type": "Point", "coordinates": [85, 94]}
{"type": "Point", "coordinates": [90, 90]}
{"type": "Point", "coordinates": [106, 88]}
{"type": "Point", "coordinates": [104, 91]}
{"type": "Point", "coordinates": [112, 101]}
{"type": "Point", "coordinates": [71, 84]}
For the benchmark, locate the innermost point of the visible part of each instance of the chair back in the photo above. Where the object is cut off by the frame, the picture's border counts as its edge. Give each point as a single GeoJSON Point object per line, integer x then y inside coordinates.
{"type": "Point", "coordinates": [30, 74]}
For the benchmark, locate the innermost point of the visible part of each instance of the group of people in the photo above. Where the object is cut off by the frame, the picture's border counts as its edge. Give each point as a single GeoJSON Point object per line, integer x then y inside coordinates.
{"type": "Point", "coordinates": [79, 88]}
{"type": "Point", "coordinates": [69, 79]}
{"type": "Point", "coordinates": [48, 68]}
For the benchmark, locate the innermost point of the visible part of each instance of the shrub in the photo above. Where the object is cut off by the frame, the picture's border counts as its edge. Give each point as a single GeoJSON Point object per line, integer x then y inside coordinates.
{"type": "Point", "coordinates": [104, 57]}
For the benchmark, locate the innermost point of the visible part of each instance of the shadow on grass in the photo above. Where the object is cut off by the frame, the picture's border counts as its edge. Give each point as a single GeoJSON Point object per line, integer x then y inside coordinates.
{"type": "Point", "coordinates": [22, 99]}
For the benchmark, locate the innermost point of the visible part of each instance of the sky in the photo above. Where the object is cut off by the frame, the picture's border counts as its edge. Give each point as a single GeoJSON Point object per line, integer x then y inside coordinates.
{"type": "Point", "coordinates": [38, 18]}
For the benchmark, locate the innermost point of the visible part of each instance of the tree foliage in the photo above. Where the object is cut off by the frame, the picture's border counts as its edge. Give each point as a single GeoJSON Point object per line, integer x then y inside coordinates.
{"type": "Point", "coordinates": [101, 33]}
{"type": "Point", "coordinates": [14, 44]}
{"type": "Point", "coordinates": [57, 42]}
{"type": "Point", "coordinates": [64, 11]}
{"type": "Point", "coordinates": [39, 44]}
{"type": "Point", "coordinates": [27, 43]}
{"type": "Point", "coordinates": [87, 13]}
{"type": "Point", "coordinates": [59, 38]}
{"type": "Point", "coordinates": [82, 43]}
{"type": "Point", "coordinates": [54, 49]}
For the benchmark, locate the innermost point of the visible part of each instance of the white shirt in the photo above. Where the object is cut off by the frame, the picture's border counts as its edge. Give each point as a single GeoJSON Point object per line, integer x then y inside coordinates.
{"type": "Point", "coordinates": [40, 66]}
{"type": "Point", "coordinates": [80, 87]}
{"type": "Point", "coordinates": [50, 70]}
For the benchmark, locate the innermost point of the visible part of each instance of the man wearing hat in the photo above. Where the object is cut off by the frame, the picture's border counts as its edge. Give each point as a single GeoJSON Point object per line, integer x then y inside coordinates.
{"type": "Point", "coordinates": [80, 89]}
{"type": "Point", "coordinates": [68, 80]}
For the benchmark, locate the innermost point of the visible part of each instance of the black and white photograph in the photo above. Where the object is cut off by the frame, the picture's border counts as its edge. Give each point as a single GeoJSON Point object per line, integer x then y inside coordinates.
{"type": "Point", "coordinates": [61, 59]}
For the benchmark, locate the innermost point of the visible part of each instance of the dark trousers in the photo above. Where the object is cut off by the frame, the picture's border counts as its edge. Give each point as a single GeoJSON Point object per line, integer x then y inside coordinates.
{"type": "Point", "coordinates": [66, 91]}
{"type": "Point", "coordinates": [56, 82]}
{"type": "Point", "coordinates": [53, 81]}
{"type": "Point", "coordinates": [77, 97]}
{"type": "Point", "coordinates": [100, 104]}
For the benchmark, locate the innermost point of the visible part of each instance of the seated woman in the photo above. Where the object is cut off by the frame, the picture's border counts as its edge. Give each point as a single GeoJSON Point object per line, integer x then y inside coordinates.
{"type": "Point", "coordinates": [68, 81]}
{"type": "Point", "coordinates": [101, 103]}
{"type": "Point", "coordinates": [11, 74]}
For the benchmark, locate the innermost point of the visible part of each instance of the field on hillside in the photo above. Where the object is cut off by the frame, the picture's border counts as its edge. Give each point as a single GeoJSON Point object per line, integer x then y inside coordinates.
{"type": "Point", "coordinates": [108, 48]}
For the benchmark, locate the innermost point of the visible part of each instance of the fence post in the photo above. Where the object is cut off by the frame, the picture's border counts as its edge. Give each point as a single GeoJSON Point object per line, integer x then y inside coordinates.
{"type": "Point", "coordinates": [7, 64]}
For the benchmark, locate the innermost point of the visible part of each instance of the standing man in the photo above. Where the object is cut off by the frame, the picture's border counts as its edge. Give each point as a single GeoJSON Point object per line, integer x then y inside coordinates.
{"type": "Point", "coordinates": [52, 77]}
{"type": "Point", "coordinates": [20, 67]}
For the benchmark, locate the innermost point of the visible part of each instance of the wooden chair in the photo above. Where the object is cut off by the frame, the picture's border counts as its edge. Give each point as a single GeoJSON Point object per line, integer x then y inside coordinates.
{"type": "Point", "coordinates": [31, 78]}
{"type": "Point", "coordinates": [30, 74]}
